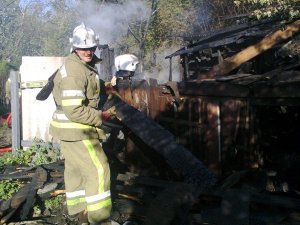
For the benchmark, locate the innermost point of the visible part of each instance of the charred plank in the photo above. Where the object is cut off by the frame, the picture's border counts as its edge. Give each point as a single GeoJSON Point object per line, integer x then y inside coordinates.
{"type": "Point", "coordinates": [163, 142]}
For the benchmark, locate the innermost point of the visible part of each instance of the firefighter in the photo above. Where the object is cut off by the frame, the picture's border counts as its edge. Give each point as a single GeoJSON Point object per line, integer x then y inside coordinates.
{"type": "Point", "coordinates": [77, 124]}
{"type": "Point", "coordinates": [125, 67]}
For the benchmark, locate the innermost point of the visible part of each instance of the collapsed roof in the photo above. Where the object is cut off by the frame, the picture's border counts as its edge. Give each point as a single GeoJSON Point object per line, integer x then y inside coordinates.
{"type": "Point", "coordinates": [253, 48]}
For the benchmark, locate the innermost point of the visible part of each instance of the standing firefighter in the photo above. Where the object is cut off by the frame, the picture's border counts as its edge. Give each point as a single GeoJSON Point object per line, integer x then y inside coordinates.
{"type": "Point", "coordinates": [76, 123]}
{"type": "Point", "coordinates": [125, 67]}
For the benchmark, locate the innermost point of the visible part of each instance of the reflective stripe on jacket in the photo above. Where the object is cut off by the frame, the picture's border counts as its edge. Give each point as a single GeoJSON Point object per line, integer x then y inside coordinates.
{"type": "Point", "coordinates": [76, 93]}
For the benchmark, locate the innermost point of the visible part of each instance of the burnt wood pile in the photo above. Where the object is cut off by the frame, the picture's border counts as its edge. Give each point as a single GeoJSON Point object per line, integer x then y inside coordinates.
{"type": "Point", "coordinates": [246, 198]}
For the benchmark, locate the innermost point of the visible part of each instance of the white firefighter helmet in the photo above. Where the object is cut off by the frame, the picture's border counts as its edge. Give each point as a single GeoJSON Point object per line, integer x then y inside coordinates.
{"type": "Point", "coordinates": [126, 62]}
{"type": "Point", "coordinates": [84, 37]}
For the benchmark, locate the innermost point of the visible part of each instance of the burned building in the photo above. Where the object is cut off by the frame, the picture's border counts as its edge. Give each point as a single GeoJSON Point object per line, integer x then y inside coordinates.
{"type": "Point", "coordinates": [237, 104]}
{"type": "Point", "coordinates": [237, 110]}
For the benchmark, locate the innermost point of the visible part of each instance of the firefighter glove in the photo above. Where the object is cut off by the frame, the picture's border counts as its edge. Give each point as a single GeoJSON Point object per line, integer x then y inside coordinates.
{"type": "Point", "coordinates": [108, 114]}
{"type": "Point", "coordinates": [111, 91]}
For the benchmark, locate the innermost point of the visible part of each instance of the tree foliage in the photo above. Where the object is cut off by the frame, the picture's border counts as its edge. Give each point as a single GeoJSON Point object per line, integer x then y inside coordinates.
{"type": "Point", "coordinates": [36, 28]}
{"type": "Point", "coordinates": [10, 33]}
{"type": "Point", "coordinates": [283, 9]}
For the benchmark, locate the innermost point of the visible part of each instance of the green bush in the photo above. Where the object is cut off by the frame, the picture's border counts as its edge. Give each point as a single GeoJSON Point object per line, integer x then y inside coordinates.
{"type": "Point", "coordinates": [43, 153]}
{"type": "Point", "coordinates": [54, 203]}
{"type": "Point", "coordinates": [8, 188]}
{"type": "Point", "coordinates": [37, 154]}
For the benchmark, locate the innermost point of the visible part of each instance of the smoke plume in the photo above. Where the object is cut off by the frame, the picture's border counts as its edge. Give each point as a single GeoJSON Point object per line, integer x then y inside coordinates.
{"type": "Point", "coordinates": [111, 21]}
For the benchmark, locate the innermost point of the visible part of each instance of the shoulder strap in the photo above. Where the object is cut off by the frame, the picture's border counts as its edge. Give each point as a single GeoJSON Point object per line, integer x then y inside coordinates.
{"type": "Point", "coordinates": [47, 89]}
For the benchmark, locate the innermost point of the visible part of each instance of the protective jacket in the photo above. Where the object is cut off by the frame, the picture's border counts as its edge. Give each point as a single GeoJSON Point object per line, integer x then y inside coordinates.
{"type": "Point", "coordinates": [76, 94]}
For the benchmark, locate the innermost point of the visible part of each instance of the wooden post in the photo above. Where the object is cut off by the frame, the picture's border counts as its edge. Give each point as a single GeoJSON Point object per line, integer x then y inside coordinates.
{"type": "Point", "coordinates": [106, 67]}
{"type": "Point", "coordinates": [15, 111]}
{"type": "Point", "coordinates": [170, 71]}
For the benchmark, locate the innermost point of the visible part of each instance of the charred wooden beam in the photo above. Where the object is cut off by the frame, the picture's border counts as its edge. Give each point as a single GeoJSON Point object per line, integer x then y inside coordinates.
{"type": "Point", "coordinates": [163, 142]}
{"type": "Point", "coordinates": [265, 44]}
{"type": "Point", "coordinates": [24, 198]}
{"type": "Point", "coordinates": [37, 182]}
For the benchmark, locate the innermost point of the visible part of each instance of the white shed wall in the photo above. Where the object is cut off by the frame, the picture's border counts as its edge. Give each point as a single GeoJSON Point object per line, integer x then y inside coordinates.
{"type": "Point", "coordinates": [36, 115]}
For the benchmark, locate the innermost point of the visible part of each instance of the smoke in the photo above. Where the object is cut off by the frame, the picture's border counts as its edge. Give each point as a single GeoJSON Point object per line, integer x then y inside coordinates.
{"type": "Point", "coordinates": [161, 70]}
{"type": "Point", "coordinates": [110, 21]}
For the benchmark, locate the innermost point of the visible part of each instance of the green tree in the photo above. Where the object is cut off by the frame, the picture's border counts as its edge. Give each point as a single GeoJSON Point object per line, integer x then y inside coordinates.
{"type": "Point", "coordinates": [4, 68]}
{"type": "Point", "coordinates": [283, 9]}
{"type": "Point", "coordinates": [35, 28]}
{"type": "Point", "coordinates": [61, 20]}
{"type": "Point", "coordinates": [10, 23]}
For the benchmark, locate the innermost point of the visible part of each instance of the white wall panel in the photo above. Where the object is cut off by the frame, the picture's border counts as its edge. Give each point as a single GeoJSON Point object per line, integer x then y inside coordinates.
{"type": "Point", "coordinates": [36, 115]}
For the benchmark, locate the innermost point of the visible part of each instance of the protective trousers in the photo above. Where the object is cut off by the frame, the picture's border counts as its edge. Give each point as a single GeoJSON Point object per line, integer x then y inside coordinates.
{"type": "Point", "coordinates": [87, 179]}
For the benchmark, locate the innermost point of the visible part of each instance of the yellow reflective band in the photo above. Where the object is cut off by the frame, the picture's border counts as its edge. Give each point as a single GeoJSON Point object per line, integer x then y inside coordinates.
{"type": "Point", "coordinates": [99, 205]}
{"type": "Point", "coordinates": [96, 162]}
{"type": "Point", "coordinates": [69, 102]}
{"type": "Point", "coordinates": [70, 125]}
{"type": "Point", "coordinates": [76, 201]}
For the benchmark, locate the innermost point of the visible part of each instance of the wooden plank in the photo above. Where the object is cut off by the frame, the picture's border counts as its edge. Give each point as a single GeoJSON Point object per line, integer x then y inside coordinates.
{"type": "Point", "coordinates": [124, 89]}
{"type": "Point", "coordinates": [212, 136]}
{"type": "Point", "coordinates": [37, 181]}
{"type": "Point", "coordinates": [153, 104]}
{"type": "Point", "coordinates": [213, 89]}
{"type": "Point", "coordinates": [141, 95]}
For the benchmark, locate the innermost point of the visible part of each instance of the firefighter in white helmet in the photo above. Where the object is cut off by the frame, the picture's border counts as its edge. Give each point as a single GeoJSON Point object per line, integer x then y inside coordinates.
{"type": "Point", "coordinates": [77, 124]}
{"type": "Point", "coordinates": [126, 66]}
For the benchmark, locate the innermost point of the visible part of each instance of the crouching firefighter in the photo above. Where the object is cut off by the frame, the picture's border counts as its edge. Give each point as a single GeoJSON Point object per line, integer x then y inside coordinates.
{"type": "Point", "coordinates": [77, 124]}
